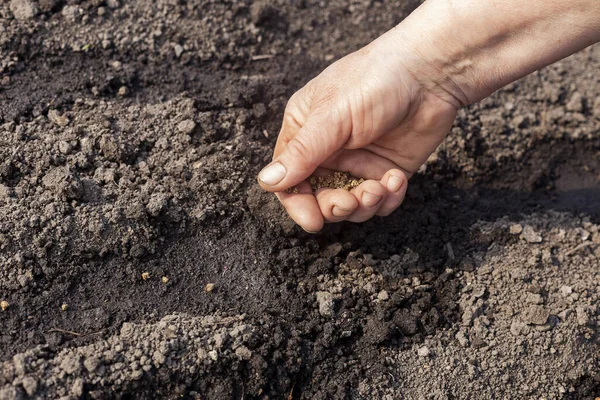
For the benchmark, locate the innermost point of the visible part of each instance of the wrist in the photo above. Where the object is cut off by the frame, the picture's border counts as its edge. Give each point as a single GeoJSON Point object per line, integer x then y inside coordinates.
{"type": "Point", "coordinates": [464, 50]}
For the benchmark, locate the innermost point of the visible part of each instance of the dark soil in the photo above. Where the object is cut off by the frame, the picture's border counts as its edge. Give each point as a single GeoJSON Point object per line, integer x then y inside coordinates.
{"type": "Point", "coordinates": [130, 137]}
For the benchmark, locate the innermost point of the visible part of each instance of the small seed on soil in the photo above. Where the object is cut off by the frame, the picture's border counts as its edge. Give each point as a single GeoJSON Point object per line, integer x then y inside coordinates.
{"type": "Point", "coordinates": [164, 279]}
{"type": "Point", "coordinates": [123, 91]}
{"type": "Point", "coordinates": [64, 307]}
{"type": "Point", "coordinates": [145, 275]}
{"type": "Point", "coordinates": [209, 287]}
{"type": "Point", "coordinates": [4, 305]}
{"type": "Point", "coordinates": [339, 180]}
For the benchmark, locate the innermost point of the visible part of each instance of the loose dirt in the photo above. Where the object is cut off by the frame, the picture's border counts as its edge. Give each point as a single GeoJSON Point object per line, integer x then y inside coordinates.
{"type": "Point", "coordinates": [131, 134]}
{"type": "Point", "coordinates": [337, 180]}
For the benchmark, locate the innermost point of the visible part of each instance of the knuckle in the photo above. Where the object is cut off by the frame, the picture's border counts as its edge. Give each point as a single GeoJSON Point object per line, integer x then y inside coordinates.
{"type": "Point", "coordinates": [297, 150]}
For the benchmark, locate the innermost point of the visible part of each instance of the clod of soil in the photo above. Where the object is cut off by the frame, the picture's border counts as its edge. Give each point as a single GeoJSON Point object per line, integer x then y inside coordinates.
{"type": "Point", "coordinates": [338, 180]}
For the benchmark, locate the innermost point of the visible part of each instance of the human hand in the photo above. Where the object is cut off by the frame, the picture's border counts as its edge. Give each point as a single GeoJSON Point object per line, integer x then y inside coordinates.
{"type": "Point", "coordinates": [366, 115]}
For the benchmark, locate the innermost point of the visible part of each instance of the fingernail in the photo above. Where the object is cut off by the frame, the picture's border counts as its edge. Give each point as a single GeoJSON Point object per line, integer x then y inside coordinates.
{"type": "Point", "coordinates": [311, 232]}
{"type": "Point", "coordinates": [394, 183]}
{"type": "Point", "coordinates": [340, 212]}
{"type": "Point", "coordinates": [370, 200]}
{"type": "Point", "coordinates": [273, 174]}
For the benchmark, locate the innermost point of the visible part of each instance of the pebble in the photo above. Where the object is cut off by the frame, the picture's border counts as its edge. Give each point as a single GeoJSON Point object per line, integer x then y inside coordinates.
{"type": "Point", "coordinates": [178, 50]}
{"type": "Point", "coordinates": [563, 315]}
{"type": "Point", "coordinates": [534, 298]}
{"type": "Point", "coordinates": [383, 295]}
{"type": "Point", "coordinates": [65, 147]}
{"type": "Point", "coordinates": [566, 290]}
{"type": "Point", "coordinates": [516, 327]}
{"type": "Point", "coordinates": [57, 118]}
{"type": "Point", "coordinates": [186, 126]}
{"type": "Point", "coordinates": [30, 385]}
{"type": "Point", "coordinates": [530, 235]}
{"type": "Point", "coordinates": [423, 351]}
{"type": "Point", "coordinates": [535, 315]}
{"type": "Point", "coordinates": [243, 353]}
{"type": "Point", "coordinates": [583, 317]}
{"type": "Point", "coordinates": [326, 304]}
{"type": "Point", "coordinates": [515, 229]}
{"type": "Point", "coordinates": [209, 287]}
{"type": "Point", "coordinates": [575, 103]}
{"type": "Point", "coordinates": [22, 9]}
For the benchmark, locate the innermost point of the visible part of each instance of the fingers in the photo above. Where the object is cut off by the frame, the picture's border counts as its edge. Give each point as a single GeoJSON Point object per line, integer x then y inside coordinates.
{"type": "Point", "coordinates": [371, 196]}
{"type": "Point", "coordinates": [336, 204]}
{"type": "Point", "coordinates": [301, 156]}
{"type": "Point", "coordinates": [396, 182]}
{"type": "Point", "coordinates": [303, 208]}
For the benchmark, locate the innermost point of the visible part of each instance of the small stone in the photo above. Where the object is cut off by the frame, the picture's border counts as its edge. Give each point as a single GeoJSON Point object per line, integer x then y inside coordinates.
{"type": "Point", "coordinates": [91, 364]}
{"type": "Point", "coordinates": [530, 235]}
{"type": "Point", "coordinates": [462, 339]}
{"type": "Point", "coordinates": [563, 315]}
{"type": "Point", "coordinates": [566, 290]}
{"type": "Point", "coordinates": [326, 304]}
{"type": "Point", "coordinates": [575, 103]}
{"type": "Point", "coordinates": [77, 388]}
{"type": "Point", "coordinates": [4, 305]}
{"type": "Point", "coordinates": [596, 108]}
{"type": "Point", "coordinates": [178, 50]}
{"type": "Point", "coordinates": [534, 298]}
{"type": "Point", "coordinates": [515, 229]}
{"type": "Point", "coordinates": [186, 126]}
{"type": "Point", "coordinates": [57, 118]}
{"type": "Point", "coordinates": [22, 9]}
{"type": "Point", "coordinates": [243, 353]}
{"type": "Point", "coordinates": [213, 355]}
{"type": "Point", "coordinates": [64, 147]}
{"type": "Point", "coordinates": [145, 275]}
{"type": "Point", "coordinates": [583, 317]}
{"type": "Point", "coordinates": [535, 315]}
{"type": "Point", "coordinates": [30, 385]}
{"type": "Point", "coordinates": [383, 295]}
{"type": "Point", "coordinates": [71, 13]}
{"type": "Point", "coordinates": [209, 287]}
{"type": "Point", "coordinates": [220, 339]}
{"type": "Point", "coordinates": [478, 292]}
{"type": "Point", "coordinates": [516, 327]}
{"type": "Point", "coordinates": [423, 351]}
{"type": "Point", "coordinates": [158, 202]}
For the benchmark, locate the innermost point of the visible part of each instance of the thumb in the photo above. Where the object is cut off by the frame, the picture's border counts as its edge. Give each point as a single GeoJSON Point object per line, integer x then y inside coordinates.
{"type": "Point", "coordinates": [314, 143]}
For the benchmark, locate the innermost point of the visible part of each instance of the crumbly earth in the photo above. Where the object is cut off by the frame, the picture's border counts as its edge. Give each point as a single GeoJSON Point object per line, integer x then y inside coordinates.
{"type": "Point", "coordinates": [337, 180]}
{"type": "Point", "coordinates": [131, 133]}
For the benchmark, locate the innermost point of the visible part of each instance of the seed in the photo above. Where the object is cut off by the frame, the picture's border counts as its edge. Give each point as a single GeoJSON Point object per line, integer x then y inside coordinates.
{"type": "Point", "coordinates": [164, 279]}
{"type": "Point", "coordinates": [64, 307]}
{"type": "Point", "coordinates": [4, 305]}
{"type": "Point", "coordinates": [209, 287]}
{"type": "Point", "coordinates": [145, 275]}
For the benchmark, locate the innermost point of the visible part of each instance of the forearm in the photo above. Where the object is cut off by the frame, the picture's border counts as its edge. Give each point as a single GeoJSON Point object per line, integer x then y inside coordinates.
{"type": "Point", "coordinates": [467, 49]}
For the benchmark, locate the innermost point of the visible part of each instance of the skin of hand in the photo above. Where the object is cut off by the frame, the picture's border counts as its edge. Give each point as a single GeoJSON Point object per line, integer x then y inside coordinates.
{"type": "Point", "coordinates": [364, 116]}
{"type": "Point", "coordinates": [380, 112]}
